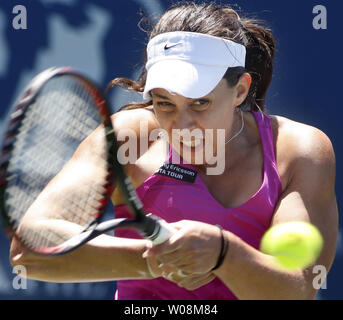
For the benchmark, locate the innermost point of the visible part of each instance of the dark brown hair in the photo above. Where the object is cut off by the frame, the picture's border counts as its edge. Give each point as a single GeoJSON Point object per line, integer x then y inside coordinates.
{"type": "Point", "coordinates": [220, 21]}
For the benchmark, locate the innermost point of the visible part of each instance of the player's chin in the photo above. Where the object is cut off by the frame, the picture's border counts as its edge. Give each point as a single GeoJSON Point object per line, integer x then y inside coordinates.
{"type": "Point", "coordinates": [193, 154]}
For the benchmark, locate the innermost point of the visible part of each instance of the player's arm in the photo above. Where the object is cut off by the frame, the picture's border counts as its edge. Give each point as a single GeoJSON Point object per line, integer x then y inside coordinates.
{"type": "Point", "coordinates": [249, 273]}
{"type": "Point", "coordinates": [104, 258]}
{"type": "Point", "coordinates": [309, 196]}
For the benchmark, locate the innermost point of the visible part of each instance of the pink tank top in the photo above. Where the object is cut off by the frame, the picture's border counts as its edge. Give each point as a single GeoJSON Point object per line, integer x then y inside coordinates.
{"type": "Point", "coordinates": [179, 193]}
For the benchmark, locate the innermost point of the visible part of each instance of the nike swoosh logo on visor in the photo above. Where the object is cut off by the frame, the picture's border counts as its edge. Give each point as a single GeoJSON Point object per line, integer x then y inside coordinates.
{"type": "Point", "coordinates": [166, 47]}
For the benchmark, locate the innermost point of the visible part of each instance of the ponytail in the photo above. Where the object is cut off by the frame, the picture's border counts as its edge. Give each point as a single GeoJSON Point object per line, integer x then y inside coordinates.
{"type": "Point", "coordinates": [259, 60]}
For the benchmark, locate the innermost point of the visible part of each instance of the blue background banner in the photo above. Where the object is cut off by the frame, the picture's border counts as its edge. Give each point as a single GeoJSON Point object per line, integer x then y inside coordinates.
{"type": "Point", "coordinates": [101, 39]}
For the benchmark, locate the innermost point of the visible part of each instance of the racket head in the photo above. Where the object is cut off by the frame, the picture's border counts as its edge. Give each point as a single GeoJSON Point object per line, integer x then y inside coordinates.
{"type": "Point", "coordinates": [58, 110]}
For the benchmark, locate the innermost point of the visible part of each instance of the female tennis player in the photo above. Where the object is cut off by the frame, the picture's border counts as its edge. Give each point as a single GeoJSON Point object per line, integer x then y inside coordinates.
{"type": "Point", "coordinates": [207, 70]}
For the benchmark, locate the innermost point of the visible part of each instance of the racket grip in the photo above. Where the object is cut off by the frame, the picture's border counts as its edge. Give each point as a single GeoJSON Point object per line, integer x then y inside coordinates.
{"type": "Point", "coordinates": [157, 230]}
{"type": "Point", "coordinates": [164, 232]}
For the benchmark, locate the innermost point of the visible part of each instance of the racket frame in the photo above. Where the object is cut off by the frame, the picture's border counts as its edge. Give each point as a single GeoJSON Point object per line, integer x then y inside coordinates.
{"type": "Point", "coordinates": [148, 225]}
{"type": "Point", "coordinates": [29, 95]}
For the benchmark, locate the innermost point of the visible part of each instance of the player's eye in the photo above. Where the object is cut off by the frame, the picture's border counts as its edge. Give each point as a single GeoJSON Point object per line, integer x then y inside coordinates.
{"type": "Point", "coordinates": [163, 103]}
{"type": "Point", "coordinates": [165, 106]}
{"type": "Point", "coordinates": [200, 104]}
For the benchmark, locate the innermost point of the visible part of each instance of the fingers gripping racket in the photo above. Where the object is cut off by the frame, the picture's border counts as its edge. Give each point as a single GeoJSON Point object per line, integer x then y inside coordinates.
{"type": "Point", "coordinates": [59, 110]}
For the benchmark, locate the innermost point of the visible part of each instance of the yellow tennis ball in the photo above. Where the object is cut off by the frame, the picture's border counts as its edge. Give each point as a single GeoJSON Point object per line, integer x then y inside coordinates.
{"type": "Point", "coordinates": [295, 245]}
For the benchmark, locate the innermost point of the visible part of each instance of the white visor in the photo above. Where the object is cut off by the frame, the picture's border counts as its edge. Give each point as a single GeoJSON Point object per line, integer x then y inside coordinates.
{"type": "Point", "coordinates": [190, 64]}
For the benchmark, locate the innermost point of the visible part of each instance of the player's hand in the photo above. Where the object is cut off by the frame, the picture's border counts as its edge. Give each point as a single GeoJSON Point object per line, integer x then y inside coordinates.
{"type": "Point", "coordinates": [187, 281]}
{"type": "Point", "coordinates": [194, 249]}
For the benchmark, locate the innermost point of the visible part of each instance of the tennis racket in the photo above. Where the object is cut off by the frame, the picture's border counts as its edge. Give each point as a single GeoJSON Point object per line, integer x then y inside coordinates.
{"type": "Point", "coordinates": [58, 110]}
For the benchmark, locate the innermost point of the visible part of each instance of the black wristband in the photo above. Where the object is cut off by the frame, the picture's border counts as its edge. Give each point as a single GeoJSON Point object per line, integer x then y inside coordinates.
{"type": "Point", "coordinates": [223, 250]}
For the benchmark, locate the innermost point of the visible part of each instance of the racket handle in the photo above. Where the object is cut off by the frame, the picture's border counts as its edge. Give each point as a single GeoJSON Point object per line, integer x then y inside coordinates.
{"type": "Point", "coordinates": [164, 232]}
{"type": "Point", "coordinates": [158, 231]}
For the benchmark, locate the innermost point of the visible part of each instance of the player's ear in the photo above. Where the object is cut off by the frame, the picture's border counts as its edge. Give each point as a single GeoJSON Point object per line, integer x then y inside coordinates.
{"type": "Point", "coordinates": [242, 88]}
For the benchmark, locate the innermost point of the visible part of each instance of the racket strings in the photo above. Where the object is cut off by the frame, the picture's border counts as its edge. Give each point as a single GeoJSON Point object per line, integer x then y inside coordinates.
{"type": "Point", "coordinates": [84, 204]}
{"type": "Point", "coordinates": [62, 116]}
{"type": "Point", "coordinates": [36, 239]}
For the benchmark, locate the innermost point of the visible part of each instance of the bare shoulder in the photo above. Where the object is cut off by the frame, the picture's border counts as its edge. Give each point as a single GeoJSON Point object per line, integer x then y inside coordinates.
{"type": "Point", "coordinates": [301, 139]}
{"type": "Point", "coordinates": [298, 144]}
{"type": "Point", "coordinates": [123, 121]}
{"type": "Point", "coordinates": [134, 119]}
{"type": "Point", "coordinates": [137, 122]}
